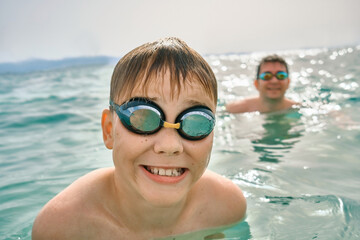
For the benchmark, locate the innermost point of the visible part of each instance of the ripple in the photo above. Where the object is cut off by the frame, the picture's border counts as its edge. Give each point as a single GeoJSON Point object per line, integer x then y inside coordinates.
{"type": "Point", "coordinates": [47, 120]}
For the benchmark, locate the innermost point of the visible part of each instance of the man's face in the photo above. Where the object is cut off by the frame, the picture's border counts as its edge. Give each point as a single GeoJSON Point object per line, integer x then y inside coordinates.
{"type": "Point", "coordinates": [272, 89]}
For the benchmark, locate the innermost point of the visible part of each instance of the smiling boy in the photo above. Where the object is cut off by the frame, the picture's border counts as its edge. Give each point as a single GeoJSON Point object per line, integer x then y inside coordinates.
{"type": "Point", "coordinates": [272, 81]}
{"type": "Point", "coordinates": [160, 129]}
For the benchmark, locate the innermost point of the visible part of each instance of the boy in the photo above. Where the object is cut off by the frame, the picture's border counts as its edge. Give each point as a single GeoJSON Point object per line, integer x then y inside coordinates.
{"type": "Point", "coordinates": [272, 81]}
{"type": "Point", "coordinates": [160, 128]}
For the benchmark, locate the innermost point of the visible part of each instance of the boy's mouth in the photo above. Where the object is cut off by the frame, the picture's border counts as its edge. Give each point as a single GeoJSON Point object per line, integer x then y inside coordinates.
{"type": "Point", "coordinates": [168, 172]}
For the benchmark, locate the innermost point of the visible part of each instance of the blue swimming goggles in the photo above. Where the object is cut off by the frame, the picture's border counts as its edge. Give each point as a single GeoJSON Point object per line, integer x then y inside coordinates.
{"type": "Point", "coordinates": [266, 76]}
{"type": "Point", "coordinates": [143, 116]}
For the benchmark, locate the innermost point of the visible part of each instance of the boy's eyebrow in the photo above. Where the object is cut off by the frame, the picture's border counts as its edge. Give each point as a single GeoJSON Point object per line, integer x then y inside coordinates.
{"type": "Point", "coordinates": [190, 102]}
{"type": "Point", "coordinates": [195, 102]}
{"type": "Point", "coordinates": [145, 97]}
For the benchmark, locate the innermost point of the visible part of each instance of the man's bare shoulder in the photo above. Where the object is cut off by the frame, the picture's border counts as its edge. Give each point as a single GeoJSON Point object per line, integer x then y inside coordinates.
{"type": "Point", "coordinates": [290, 103]}
{"type": "Point", "coordinates": [64, 215]}
{"type": "Point", "coordinates": [244, 105]}
{"type": "Point", "coordinates": [226, 202]}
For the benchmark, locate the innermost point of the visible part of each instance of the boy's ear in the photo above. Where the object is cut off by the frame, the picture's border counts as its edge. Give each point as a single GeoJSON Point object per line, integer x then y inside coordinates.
{"type": "Point", "coordinates": [106, 124]}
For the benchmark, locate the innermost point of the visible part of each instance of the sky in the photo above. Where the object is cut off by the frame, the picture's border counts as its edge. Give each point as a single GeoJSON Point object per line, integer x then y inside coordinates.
{"type": "Point", "coordinates": [57, 29]}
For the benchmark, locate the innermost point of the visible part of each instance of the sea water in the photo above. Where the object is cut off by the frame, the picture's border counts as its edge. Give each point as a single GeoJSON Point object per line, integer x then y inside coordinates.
{"type": "Point", "coordinates": [299, 169]}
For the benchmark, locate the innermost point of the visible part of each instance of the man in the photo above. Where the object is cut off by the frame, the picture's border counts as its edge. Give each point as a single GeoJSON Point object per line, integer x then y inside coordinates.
{"type": "Point", "coordinates": [272, 81]}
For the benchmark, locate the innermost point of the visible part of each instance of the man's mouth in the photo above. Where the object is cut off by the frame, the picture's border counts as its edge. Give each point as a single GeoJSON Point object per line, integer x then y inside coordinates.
{"type": "Point", "coordinates": [273, 88]}
{"type": "Point", "coordinates": [168, 172]}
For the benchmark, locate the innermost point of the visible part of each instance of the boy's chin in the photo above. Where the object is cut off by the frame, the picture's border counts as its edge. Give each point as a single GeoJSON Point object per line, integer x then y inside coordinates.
{"type": "Point", "coordinates": [163, 199]}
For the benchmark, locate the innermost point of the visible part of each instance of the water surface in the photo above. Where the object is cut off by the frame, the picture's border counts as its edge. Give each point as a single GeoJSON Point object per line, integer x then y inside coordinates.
{"type": "Point", "coordinates": [299, 169]}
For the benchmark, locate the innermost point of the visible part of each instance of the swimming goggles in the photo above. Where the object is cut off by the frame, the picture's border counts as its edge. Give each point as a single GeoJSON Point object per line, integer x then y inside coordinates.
{"type": "Point", "coordinates": [142, 116]}
{"type": "Point", "coordinates": [268, 75]}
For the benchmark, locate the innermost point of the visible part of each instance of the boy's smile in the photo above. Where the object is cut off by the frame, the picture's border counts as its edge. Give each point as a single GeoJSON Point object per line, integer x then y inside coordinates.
{"type": "Point", "coordinates": [165, 174]}
{"type": "Point", "coordinates": [169, 172]}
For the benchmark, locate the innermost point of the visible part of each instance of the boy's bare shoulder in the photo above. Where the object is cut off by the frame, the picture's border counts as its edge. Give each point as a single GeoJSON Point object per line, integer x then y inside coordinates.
{"type": "Point", "coordinates": [64, 216]}
{"type": "Point", "coordinates": [226, 202]}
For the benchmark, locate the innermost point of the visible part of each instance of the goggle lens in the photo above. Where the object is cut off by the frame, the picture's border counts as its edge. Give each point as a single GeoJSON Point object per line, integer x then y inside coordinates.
{"type": "Point", "coordinates": [146, 120]}
{"type": "Point", "coordinates": [266, 76]}
{"type": "Point", "coordinates": [197, 123]}
{"type": "Point", "coordinates": [145, 117]}
{"type": "Point", "coordinates": [281, 75]}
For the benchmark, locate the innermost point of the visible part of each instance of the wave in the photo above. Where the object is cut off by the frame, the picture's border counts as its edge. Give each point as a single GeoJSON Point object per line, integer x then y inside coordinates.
{"type": "Point", "coordinates": [46, 120]}
{"type": "Point", "coordinates": [44, 65]}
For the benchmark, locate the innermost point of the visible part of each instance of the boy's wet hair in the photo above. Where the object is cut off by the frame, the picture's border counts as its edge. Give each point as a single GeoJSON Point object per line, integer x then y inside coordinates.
{"type": "Point", "coordinates": [271, 59]}
{"type": "Point", "coordinates": [139, 67]}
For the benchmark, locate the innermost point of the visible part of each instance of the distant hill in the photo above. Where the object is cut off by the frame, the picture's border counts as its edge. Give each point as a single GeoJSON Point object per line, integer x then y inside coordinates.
{"type": "Point", "coordinates": [43, 65]}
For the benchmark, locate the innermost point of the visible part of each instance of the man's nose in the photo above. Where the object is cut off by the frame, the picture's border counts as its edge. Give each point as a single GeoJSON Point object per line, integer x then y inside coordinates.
{"type": "Point", "coordinates": [273, 78]}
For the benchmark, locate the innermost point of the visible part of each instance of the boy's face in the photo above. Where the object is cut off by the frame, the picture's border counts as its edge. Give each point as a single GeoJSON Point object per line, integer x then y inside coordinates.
{"type": "Point", "coordinates": [134, 155]}
{"type": "Point", "coordinates": [273, 88]}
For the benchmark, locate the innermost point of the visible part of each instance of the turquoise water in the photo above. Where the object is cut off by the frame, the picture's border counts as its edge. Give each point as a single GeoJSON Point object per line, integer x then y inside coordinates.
{"type": "Point", "coordinates": [299, 169]}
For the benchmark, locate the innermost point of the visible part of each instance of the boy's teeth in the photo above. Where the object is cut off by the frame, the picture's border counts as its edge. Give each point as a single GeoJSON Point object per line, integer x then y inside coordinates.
{"type": "Point", "coordinates": [174, 172]}
{"type": "Point", "coordinates": [168, 172]}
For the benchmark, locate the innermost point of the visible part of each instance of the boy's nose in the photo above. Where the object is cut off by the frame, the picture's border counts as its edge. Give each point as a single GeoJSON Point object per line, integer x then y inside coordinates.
{"type": "Point", "coordinates": [169, 142]}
